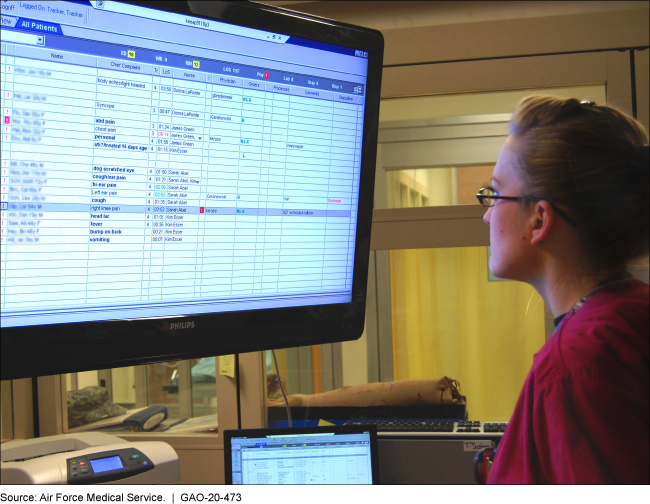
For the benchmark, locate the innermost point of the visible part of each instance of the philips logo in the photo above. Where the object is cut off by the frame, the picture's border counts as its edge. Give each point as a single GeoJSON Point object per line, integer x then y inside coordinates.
{"type": "Point", "coordinates": [181, 325]}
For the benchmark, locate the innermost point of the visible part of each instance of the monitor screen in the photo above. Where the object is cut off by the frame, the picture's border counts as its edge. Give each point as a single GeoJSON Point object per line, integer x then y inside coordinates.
{"type": "Point", "coordinates": [321, 456]}
{"type": "Point", "coordinates": [157, 166]}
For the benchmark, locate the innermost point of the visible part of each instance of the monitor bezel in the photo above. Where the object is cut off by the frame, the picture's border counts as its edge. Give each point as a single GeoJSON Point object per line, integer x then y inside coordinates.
{"type": "Point", "coordinates": [83, 346]}
{"type": "Point", "coordinates": [337, 429]}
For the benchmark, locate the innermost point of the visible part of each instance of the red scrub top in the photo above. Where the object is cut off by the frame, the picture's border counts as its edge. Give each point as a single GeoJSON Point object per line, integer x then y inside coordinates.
{"type": "Point", "coordinates": [582, 416]}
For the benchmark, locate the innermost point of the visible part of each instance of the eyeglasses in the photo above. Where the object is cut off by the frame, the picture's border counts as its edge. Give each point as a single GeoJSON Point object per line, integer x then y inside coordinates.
{"type": "Point", "coordinates": [487, 196]}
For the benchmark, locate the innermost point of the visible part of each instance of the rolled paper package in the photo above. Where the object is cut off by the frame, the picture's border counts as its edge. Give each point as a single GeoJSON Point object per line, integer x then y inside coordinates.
{"type": "Point", "coordinates": [400, 393]}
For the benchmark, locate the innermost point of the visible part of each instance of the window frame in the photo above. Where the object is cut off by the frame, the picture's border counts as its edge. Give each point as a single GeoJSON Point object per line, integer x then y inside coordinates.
{"type": "Point", "coordinates": [52, 396]}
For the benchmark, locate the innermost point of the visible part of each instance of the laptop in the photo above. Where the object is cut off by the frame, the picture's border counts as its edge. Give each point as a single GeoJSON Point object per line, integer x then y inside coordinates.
{"type": "Point", "coordinates": [332, 455]}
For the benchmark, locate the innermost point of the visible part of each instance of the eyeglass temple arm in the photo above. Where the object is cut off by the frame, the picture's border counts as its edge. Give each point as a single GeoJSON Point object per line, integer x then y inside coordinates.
{"type": "Point", "coordinates": [480, 196]}
{"type": "Point", "coordinates": [563, 215]}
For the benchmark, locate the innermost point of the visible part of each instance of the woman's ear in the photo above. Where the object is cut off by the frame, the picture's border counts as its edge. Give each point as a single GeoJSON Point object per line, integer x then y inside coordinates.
{"type": "Point", "coordinates": [543, 221]}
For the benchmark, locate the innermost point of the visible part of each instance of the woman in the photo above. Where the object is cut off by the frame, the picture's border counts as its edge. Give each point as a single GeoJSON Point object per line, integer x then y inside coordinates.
{"type": "Point", "coordinates": [568, 212]}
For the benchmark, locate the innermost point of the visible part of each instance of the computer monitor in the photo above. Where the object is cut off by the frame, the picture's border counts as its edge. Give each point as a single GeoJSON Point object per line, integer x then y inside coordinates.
{"type": "Point", "coordinates": [329, 455]}
{"type": "Point", "coordinates": [176, 185]}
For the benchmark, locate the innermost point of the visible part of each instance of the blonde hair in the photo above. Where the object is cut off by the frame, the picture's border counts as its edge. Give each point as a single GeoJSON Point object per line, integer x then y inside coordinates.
{"type": "Point", "coordinates": [585, 159]}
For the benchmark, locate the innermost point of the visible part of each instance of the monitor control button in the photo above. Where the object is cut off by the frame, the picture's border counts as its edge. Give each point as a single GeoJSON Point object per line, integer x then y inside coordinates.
{"type": "Point", "coordinates": [135, 456]}
{"type": "Point", "coordinates": [85, 470]}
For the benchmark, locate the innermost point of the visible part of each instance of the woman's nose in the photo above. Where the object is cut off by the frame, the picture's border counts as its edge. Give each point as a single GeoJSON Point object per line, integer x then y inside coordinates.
{"type": "Point", "coordinates": [486, 217]}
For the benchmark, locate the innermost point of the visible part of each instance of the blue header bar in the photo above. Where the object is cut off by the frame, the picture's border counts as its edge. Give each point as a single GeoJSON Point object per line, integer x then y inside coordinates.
{"type": "Point", "coordinates": [202, 66]}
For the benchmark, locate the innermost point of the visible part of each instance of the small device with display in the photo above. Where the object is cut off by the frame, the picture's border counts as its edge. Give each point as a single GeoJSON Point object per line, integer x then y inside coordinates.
{"type": "Point", "coordinates": [107, 466]}
{"type": "Point", "coordinates": [88, 457]}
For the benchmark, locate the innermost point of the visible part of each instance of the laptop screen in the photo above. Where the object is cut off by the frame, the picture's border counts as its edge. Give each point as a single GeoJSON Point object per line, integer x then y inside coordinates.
{"type": "Point", "coordinates": [321, 456]}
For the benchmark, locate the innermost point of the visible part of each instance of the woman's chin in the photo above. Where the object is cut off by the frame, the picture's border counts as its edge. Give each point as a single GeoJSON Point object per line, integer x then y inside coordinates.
{"type": "Point", "coordinates": [497, 270]}
{"type": "Point", "coordinates": [494, 267]}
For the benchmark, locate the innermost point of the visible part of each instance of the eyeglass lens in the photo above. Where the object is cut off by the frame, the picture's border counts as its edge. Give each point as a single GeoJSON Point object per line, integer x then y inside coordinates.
{"type": "Point", "coordinates": [486, 199]}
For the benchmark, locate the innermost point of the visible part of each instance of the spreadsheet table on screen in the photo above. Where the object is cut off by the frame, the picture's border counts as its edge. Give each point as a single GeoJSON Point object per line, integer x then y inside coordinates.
{"type": "Point", "coordinates": [136, 181]}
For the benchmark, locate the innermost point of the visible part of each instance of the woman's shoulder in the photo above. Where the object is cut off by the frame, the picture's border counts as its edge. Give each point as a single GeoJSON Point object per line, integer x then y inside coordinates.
{"type": "Point", "coordinates": [606, 339]}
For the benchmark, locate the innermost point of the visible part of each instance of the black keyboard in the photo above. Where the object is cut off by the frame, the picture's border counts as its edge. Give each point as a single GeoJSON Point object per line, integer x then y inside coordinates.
{"type": "Point", "coordinates": [407, 425]}
{"type": "Point", "coordinates": [441, 426]}
{"type": "Point", "coordinates": [494, 427]}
